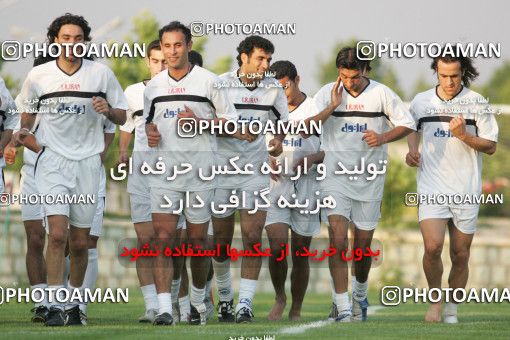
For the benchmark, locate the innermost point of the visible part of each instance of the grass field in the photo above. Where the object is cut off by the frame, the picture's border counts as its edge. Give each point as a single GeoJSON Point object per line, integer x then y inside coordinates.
{"type": "Point", "coordinates": [405, 321]}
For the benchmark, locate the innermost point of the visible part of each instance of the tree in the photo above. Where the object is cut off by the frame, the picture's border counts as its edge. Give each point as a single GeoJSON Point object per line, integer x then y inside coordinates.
{"type": "Point", "coordinates": [421, 85]}
{"type": "Point", "coordinates": [497, 88]}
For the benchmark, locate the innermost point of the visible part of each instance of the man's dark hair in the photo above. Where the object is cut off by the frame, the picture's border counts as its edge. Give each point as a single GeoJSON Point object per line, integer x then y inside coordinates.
{"type": "Point", "coordinates": [54, 28]}
{"type": "Point", "coordinates": [176, 26]}
{"type": "Point", "coordinates": [469, 72]}
{"type": "Point", "coordinates": [254, 41]}
{"type": "Point", "coordinates": [153, 45]}
{"type": "Point", "coordinates": [347, 58]}
{"type": "Point", "coordinates": [284, 68]}
{"type": "Point", "coordinates": [195, 58]}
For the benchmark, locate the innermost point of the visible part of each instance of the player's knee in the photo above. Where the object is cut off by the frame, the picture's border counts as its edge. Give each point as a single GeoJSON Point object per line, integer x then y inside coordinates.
{"type": "Point", "coordinates": [460, 257]}
{"type": "Point", "coordinates": [57, 238]}
{"type": "Point", "coordinates": [78, 244]}
{"type": "Point", "coordinates": [433, 250]}
{"type": "Point", "coordinates": [35, 243]}
{"type": "Point", "coordinates": [252, 238]}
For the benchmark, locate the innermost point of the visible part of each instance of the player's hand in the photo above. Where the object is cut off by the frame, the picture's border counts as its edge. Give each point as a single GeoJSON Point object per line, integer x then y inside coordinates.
{"type": "Point", "coordinates": [186, 115]}
{"type": "Point", "coordinates": [153, 135]}
{"type": "Point", "coordinates": [301, 163]}
{"type": "Point", "coordinates": [336, 95]}
{"type": "Point", "coordinates": [275, 147]}
{"type": "Point", "coordinates": [413, 159]}
{"type": "Point", "coordinates": [19, 137]}
{"type": "Point", "coordinates": [372, 138]}
{"type": "Point", "coordinates": [458, 127]}
{"type": "Point", "coordinates": [123, 158]}
{"type": "Point", "coordinates": [9, 154]}
{"type": "Point", "coordinates": [274, 165]}
{"type": "Point", "coordinates": [247, 136]}
{"type": "Point", "coordinates": [100, 105]}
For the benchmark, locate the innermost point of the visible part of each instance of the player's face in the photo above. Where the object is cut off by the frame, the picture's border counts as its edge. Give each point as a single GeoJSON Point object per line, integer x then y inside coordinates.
{"type": "Point", "coordinates": [289, 87]}
{"type": "Point", "coordinates": [450, 77]}
{"type": "Point", "coordinates": [352, 80]}
{"type": "Point", "coordinates": [175, 49]}
{"type": "Point", "coordinates": [257, 63]}
{"type": "Point", "coordinates": [69, 34]}
{"type": "Point", "coordinates": [156, 62]}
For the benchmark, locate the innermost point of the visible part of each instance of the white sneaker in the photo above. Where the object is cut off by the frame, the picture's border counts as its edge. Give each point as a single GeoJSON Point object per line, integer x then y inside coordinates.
{"type": "Point", "coordinates": [450, 319]}
{"type": "Point", "coordinates": [149, 316]}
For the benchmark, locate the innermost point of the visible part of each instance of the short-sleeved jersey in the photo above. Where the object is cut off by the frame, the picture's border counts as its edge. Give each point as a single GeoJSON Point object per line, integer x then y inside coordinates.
{"type": "Point", "coordinates": [69, 124]}
{"type": "Point", "coordinates": [373, 109]}
{"type": "Point", "coordinates": [265, 102]}
{"type": "Point", "coordinates": [164, 98]}
{"type": "Point", "coordinates": [448, 165]}
{"type": "Point", "coordinates": [295, 147]}
{"type": "Point", "coordinates": [135, 123]}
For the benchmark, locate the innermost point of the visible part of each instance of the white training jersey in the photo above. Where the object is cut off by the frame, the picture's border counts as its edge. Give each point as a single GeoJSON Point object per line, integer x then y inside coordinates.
{"type": "Point", "coordinates": [135, 123]}
{"type": "Point", "coordinates": [295, 147]}
{"type": "Point", "coordinates": [373, 109]}
{"type": "Point", "coordinates": [448, 165]}
{"type": "Point", "coordinates": [69, 125]}
{"type": "Point", "coordinates": [164, 98]}
{"type": "Point", "coordinates": [9, 116]}
{"type": "Point", "coordinates": [265, 102]}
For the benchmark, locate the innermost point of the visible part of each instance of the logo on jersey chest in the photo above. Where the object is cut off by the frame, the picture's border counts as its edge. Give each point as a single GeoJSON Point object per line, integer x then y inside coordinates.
{"type": "Point", "coordinates": [176, 90]}
{"type": "Point", "coordinates": [171, 113]}
{"type": "Point", "coordinates": [354, 127]}
{"type": "Point", "coordinates": [443, 133]}
{"type": "Point", "coordinates": [355, 107]}
{"type": "Point", "coordinates": [293, 142]}
{"type": "Point", "coordinates": [247, 119]}
{"type": "Point", "coordinates": [250, 100]}
{"type": "Point", "coordinates": [70, 86]}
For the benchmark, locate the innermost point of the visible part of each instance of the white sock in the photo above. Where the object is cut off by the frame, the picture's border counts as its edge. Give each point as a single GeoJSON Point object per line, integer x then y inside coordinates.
{"type": "Point", "coordinates": [184, 307]}
{"type": "Point", "coordinates": [208, 287]}
{"type": "Point", "coordinates": [90, 278]}
{"type": "Point", "coordinates": [247, 290]}
{"type": "Point", "coordinates": [43, 295]}
{"type": "Point", "coordinates": [73, 303]}
{"type": "Point", "coordinates": [450, 309]}
{"type": "Point", "coordinates": [150, 296]}
{"type": "Point", "coordinates": [197, 295]}
{"type": "Point", "coordinates": [165, 303]}
{"type": "Point", "coordinates": [67, 270]}
{"type": "Point", "coordinates": [176, 284]}
{"type": "Point", "coordinates": [53, 301]}
{"type": "Point", "coordinates": [342, 301]}
{"type": "Point", "coordinates": [223, 280]}
{"type": "Point", "coordinates": [359, 290]}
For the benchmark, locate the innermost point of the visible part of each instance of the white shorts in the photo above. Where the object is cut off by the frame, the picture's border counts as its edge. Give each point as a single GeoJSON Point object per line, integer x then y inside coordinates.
{"type": "Point", "coordinates": [97, 224]}
{"type": "Point", "coordinates": [465, 218]}
{"type": "Point", "coordinates": [300, 222]}
{"type": "Point", "coordinates": [182, 225]}
{"type": "Point", "coordinates": [58, 176]}
{"type": "Point", "coordinates": [29, 212]}
{"type": "Point", "coordinates": [364, 214]}
{"type": "Point", "coordinates": [249, 188]}
{"type": "Point", "coordinates": [137, 182]}
{"type": "Point", "coordinates": [194, 215]}
{"type": "Point", "coordinates": [140, 208]}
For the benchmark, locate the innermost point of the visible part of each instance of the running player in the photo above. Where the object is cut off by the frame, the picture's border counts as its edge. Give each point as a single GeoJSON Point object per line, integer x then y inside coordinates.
{"type": "Point", "coordinates": [355, 130]}
{"type": "Point", "coordinates": [74, 97]}
{"type": "Point", "coordinates": [183, 96]}
{"type": "Point", "coordinates": [255, 98]}
{"type": "Point", "coordinates": [279, 220]}
{"type": "Point", "coordinates": [8, 120]}
{"type": "Point", "coordinates": [450, 162]}
{"type": "Point", "coordinates": [137, 186]}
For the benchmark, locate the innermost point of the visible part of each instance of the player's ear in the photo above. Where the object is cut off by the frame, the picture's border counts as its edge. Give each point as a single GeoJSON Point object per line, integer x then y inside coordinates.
{"type": "Point", "coordinates": [297, 80]}
{"type": "Point", "coordinates": [190, 45]}
{"type": "Point", "coordinates": [244, 58]}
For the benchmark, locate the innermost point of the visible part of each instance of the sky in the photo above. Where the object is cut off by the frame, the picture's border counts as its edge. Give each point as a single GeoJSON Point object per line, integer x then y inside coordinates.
{"type": "Point", "coordinates": [319, 26]}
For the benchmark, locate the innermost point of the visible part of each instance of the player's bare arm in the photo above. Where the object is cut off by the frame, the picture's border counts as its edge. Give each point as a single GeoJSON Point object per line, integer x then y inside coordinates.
{"type": "Point", "coordinates": [458, 129]}
{"type": "Point", "coordinates": [374, 139]}
{"type": "Point", "coordinates": [116, 116]}
{"type": "Point", "coordinates": [413, 156]}
{"type": "Point", "coordinates": [336, 100]}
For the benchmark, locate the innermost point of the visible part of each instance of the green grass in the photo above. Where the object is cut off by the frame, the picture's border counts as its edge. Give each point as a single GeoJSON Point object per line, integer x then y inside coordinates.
{"type": "Point", "coordinates": [120, 321]}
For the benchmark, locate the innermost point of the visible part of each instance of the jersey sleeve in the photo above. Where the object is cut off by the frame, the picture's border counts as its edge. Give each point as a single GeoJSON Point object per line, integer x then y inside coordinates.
{"type": "Point", "coordinates": [27, 99]}
{"type": "Point", "coordinates": [280, 110]}
{"type": "Point", "coordinates": [222, 104]}
{"type": "Point", "coordinates": [129, 125]}
{"type": "Point", "coordinates": [487, 127]}
{"type": "Point", "coordinates": [396, 110]}
{"type": "Point", "coordinates": [114, 94]}
{"type": "Point", "coordinates": [321, 98]}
